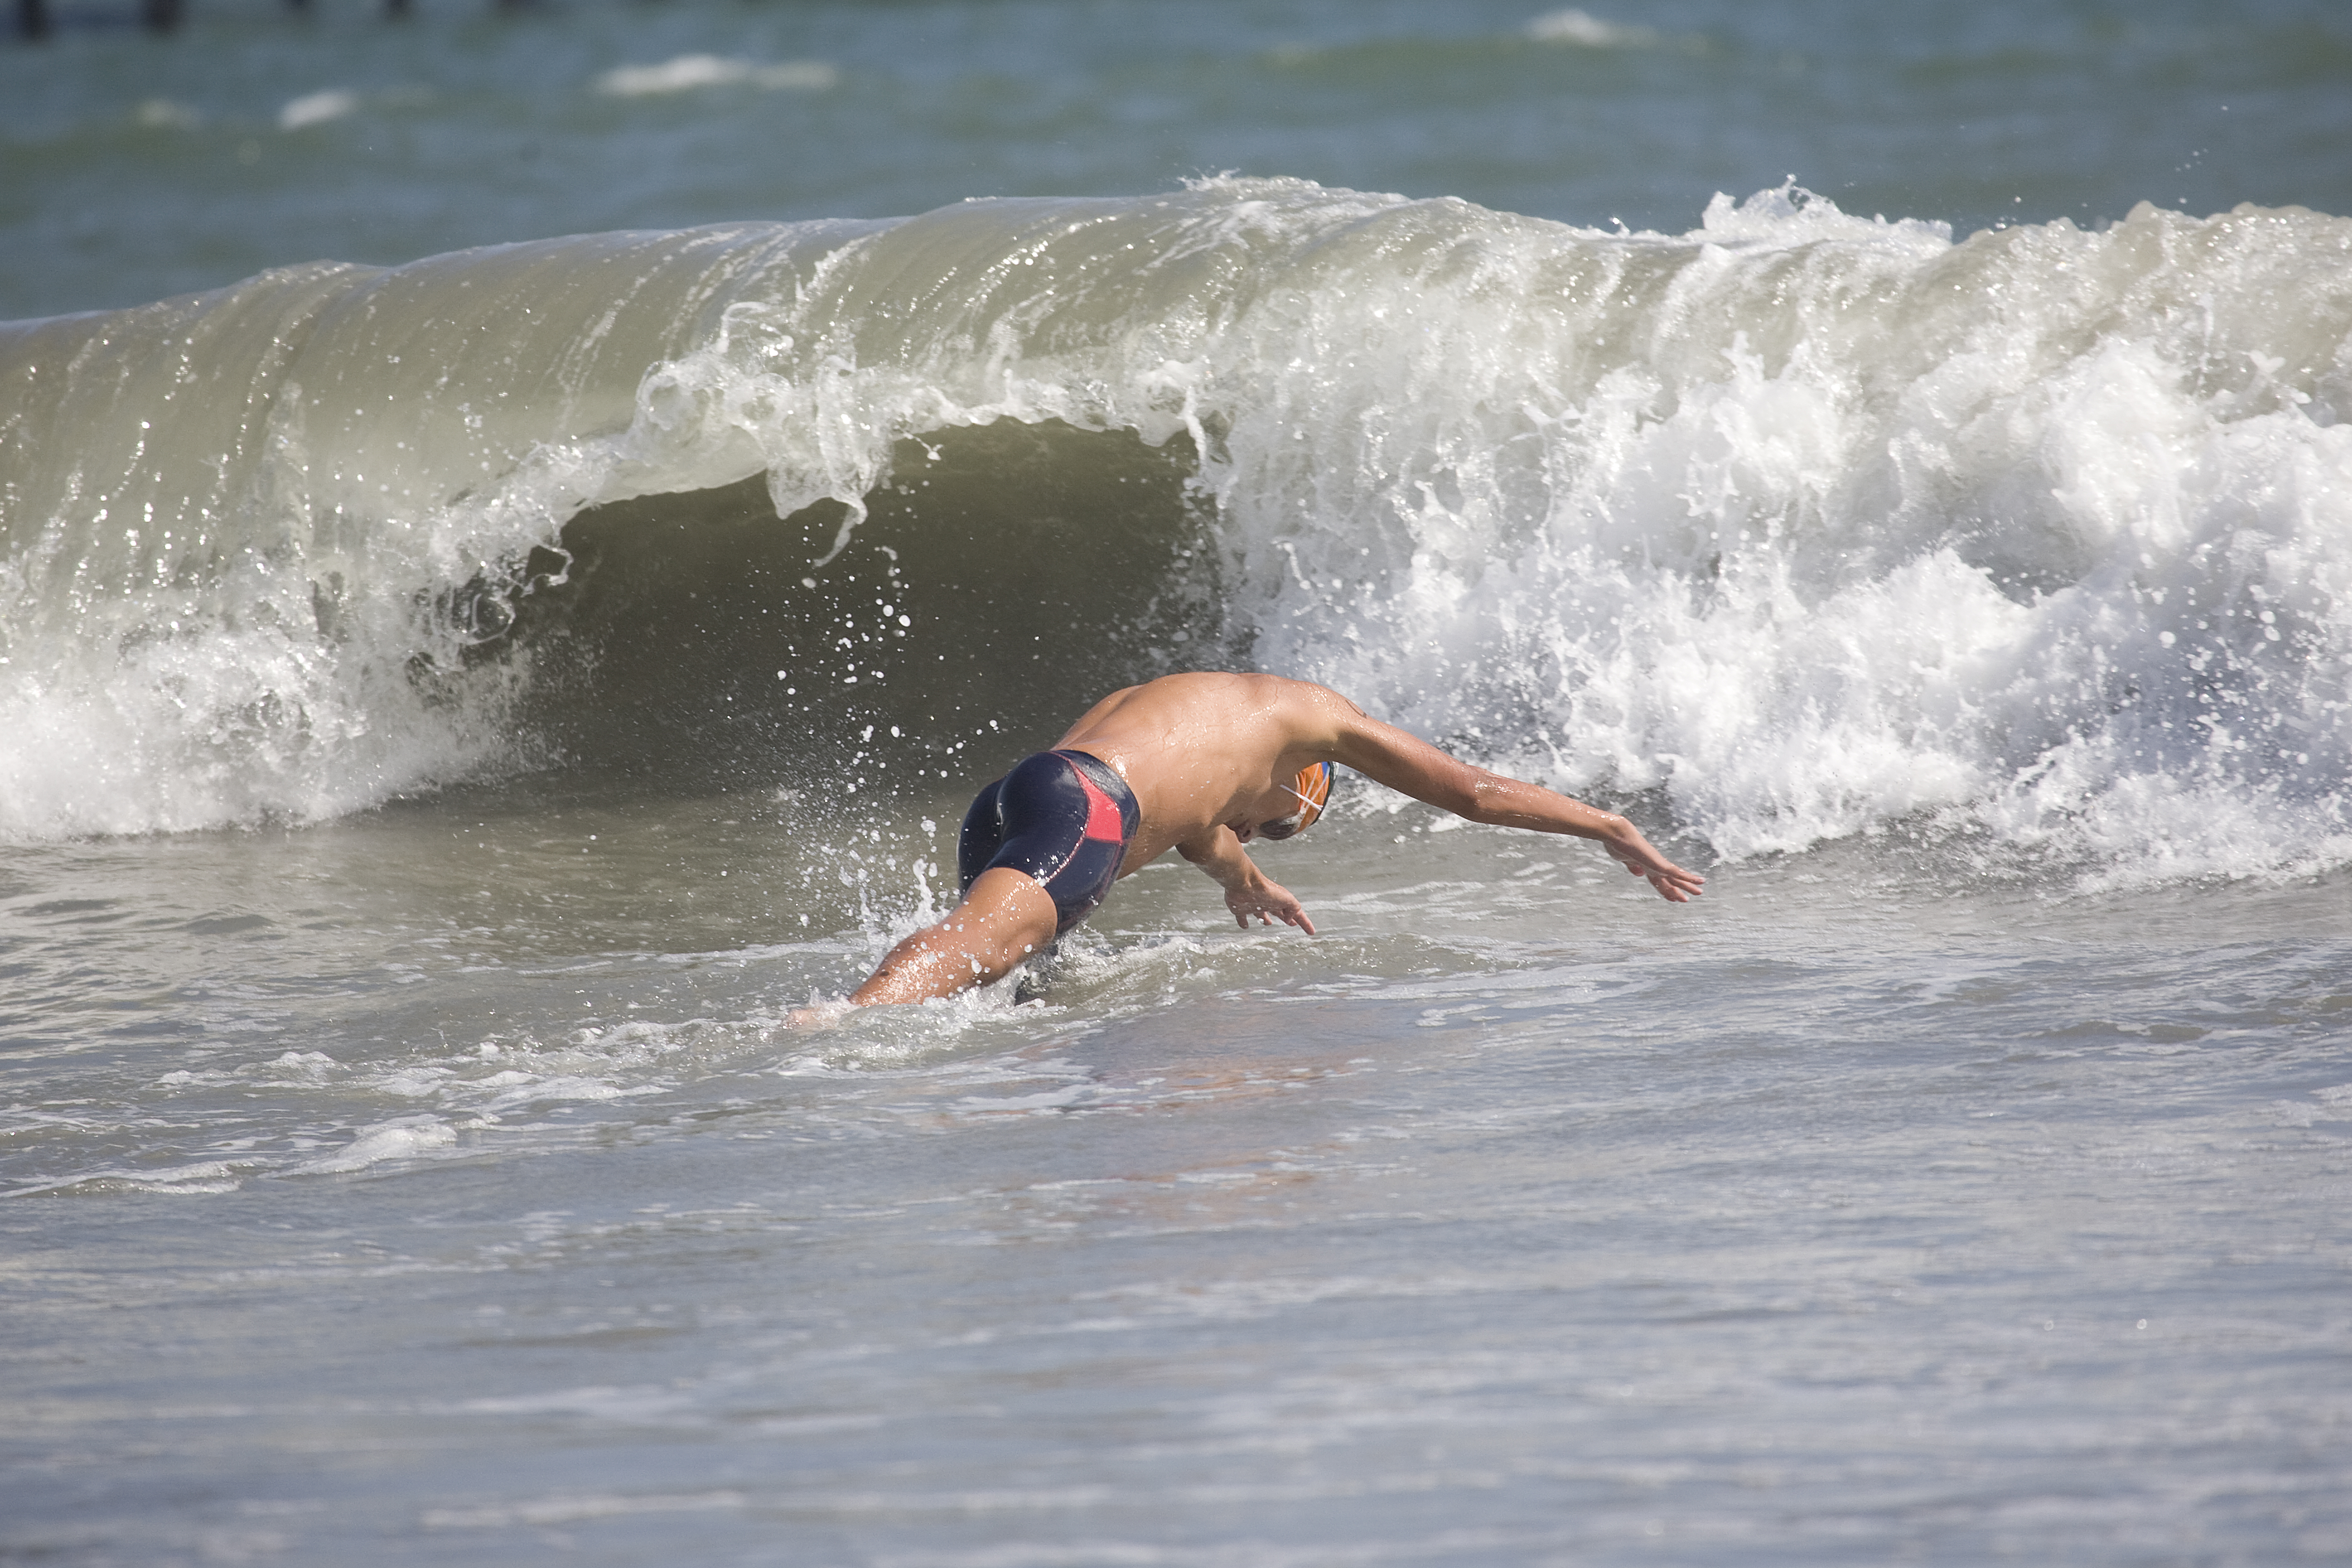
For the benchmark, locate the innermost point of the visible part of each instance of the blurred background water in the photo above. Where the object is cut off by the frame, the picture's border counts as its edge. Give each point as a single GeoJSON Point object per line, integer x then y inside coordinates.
{"type": "Point", "coordinates": [133, 167]}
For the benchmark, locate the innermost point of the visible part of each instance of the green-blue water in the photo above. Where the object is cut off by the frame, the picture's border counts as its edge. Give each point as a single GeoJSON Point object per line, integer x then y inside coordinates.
{"type": "Point", "coordinates": [134, 167]}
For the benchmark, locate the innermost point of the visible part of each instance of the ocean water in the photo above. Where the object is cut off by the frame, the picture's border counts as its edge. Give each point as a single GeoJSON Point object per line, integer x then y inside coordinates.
{"type": "Point", "coordinates": [520, 532]}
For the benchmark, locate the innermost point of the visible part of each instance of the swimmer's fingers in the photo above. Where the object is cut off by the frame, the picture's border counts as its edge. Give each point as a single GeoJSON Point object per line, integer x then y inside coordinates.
{"type": "Point", "coordinates": [1288, 911]}
{"type": "Point", "coordinates": [1269, 902]}
{"type": "Point", "coordinates": [1674, 884]}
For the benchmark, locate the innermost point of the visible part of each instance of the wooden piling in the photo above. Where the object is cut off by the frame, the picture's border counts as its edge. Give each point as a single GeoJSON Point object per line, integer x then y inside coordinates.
{"type": "Point", "coordinates": [166, 16]}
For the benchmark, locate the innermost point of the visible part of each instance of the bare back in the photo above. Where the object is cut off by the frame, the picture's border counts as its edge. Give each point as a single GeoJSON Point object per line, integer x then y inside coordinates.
{"type": "Point", "coordinates": [1204, 749]}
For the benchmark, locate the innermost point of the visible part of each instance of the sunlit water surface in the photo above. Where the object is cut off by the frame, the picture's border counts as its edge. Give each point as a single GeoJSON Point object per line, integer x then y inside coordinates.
{"type": "Point", "coordinates": [440, 1185]}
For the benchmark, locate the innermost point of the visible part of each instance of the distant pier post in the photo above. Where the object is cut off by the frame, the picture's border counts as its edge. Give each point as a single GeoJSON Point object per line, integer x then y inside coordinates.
{"type": "Point", "coordinates": [166, 16]}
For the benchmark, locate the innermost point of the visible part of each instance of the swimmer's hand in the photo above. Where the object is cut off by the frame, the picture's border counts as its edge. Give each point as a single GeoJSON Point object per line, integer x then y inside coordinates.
{"type": "Point", "coordinates": [1269, 901]}
{"type": "Point", "coordinates": [1635, 853]}
{"type": "Point", "coordinates": [1248, 891]}
{"type": "Point", "coordinates": [821, 1016]}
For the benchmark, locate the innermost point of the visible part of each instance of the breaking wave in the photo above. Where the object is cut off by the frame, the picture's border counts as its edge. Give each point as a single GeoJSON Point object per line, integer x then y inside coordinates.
{"type": "Point", "coordinates": [1797, 524]}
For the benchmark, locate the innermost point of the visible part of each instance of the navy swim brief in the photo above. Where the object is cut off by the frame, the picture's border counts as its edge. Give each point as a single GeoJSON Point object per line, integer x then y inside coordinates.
{"type": "Point", "coordinates": [1062, 817]}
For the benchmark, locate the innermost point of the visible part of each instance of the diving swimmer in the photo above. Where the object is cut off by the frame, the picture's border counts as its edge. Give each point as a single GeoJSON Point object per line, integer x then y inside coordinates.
{"type": "Point", "coordinates": [1203, 764]}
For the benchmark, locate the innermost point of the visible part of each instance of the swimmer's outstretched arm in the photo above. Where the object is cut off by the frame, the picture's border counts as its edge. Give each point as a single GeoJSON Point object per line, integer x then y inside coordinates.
{"type": "Point", "coordinates": [1248, 890]}
{"type": "Point", "coordinates": [1412, 765]}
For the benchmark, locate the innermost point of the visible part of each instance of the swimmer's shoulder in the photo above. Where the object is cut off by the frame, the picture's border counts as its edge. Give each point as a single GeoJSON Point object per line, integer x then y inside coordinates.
{"type": "Point", "coordinates": [1308, 719]}
{"type": "Point", "coordinates": [1295, 704]}
{"type": "Point", "coordinates": [1306, 696]}
{"type": "Point", "coordinates": [1282, 689]}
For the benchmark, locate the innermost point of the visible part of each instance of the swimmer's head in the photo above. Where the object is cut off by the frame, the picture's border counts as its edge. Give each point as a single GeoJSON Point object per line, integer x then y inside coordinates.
{"type": "Point", "coordinates": [1313, 788]}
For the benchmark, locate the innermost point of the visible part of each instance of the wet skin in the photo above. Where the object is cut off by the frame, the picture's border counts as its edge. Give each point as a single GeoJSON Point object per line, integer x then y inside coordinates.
{"type": "Point", "coordinates": [1210, 758]}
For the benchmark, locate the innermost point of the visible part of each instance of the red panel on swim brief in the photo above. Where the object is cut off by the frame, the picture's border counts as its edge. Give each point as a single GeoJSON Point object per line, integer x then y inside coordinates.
{"type": "Point", "coordinates": [1103, 820]}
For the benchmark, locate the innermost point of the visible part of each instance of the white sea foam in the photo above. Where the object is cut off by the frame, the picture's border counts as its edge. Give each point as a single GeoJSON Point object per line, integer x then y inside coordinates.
{"type": "Point", "coordinates": [1802, 521]}
{"type": "Point", "coordinates": [398, 1139]}
{"type": "Point", "coordinates": [690, 73]}
{"type": "Point", "coordinates": [318, 108]}
{"type": "Point", "coordinates": [1806, 520]}
{"type": "Point", "coordinates": [567, 1090]}
{"type": "Point", "coordinates": [1586, 30]}
{"type": "Point", "coordinates": [199, 1178]}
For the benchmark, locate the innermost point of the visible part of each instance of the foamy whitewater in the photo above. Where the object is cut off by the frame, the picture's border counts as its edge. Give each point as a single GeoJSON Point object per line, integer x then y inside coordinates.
{"type": "Point", "coordinates": [458, 697]}
{"type": "Point", "coordinates": [1807, 523]}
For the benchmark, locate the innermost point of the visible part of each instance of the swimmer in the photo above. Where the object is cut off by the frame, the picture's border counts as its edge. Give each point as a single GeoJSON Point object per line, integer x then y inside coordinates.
{"type": "Point", "coordinates": [1203, 764]}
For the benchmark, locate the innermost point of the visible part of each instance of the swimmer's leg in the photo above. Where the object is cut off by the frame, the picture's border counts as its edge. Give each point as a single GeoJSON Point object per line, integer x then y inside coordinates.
{"type": "Point", "coordinates": [1005, 917]}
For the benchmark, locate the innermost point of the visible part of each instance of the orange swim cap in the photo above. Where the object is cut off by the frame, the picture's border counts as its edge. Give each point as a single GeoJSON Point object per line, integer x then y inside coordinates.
{"type": "Point", "coordinates": [1313, 788]}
